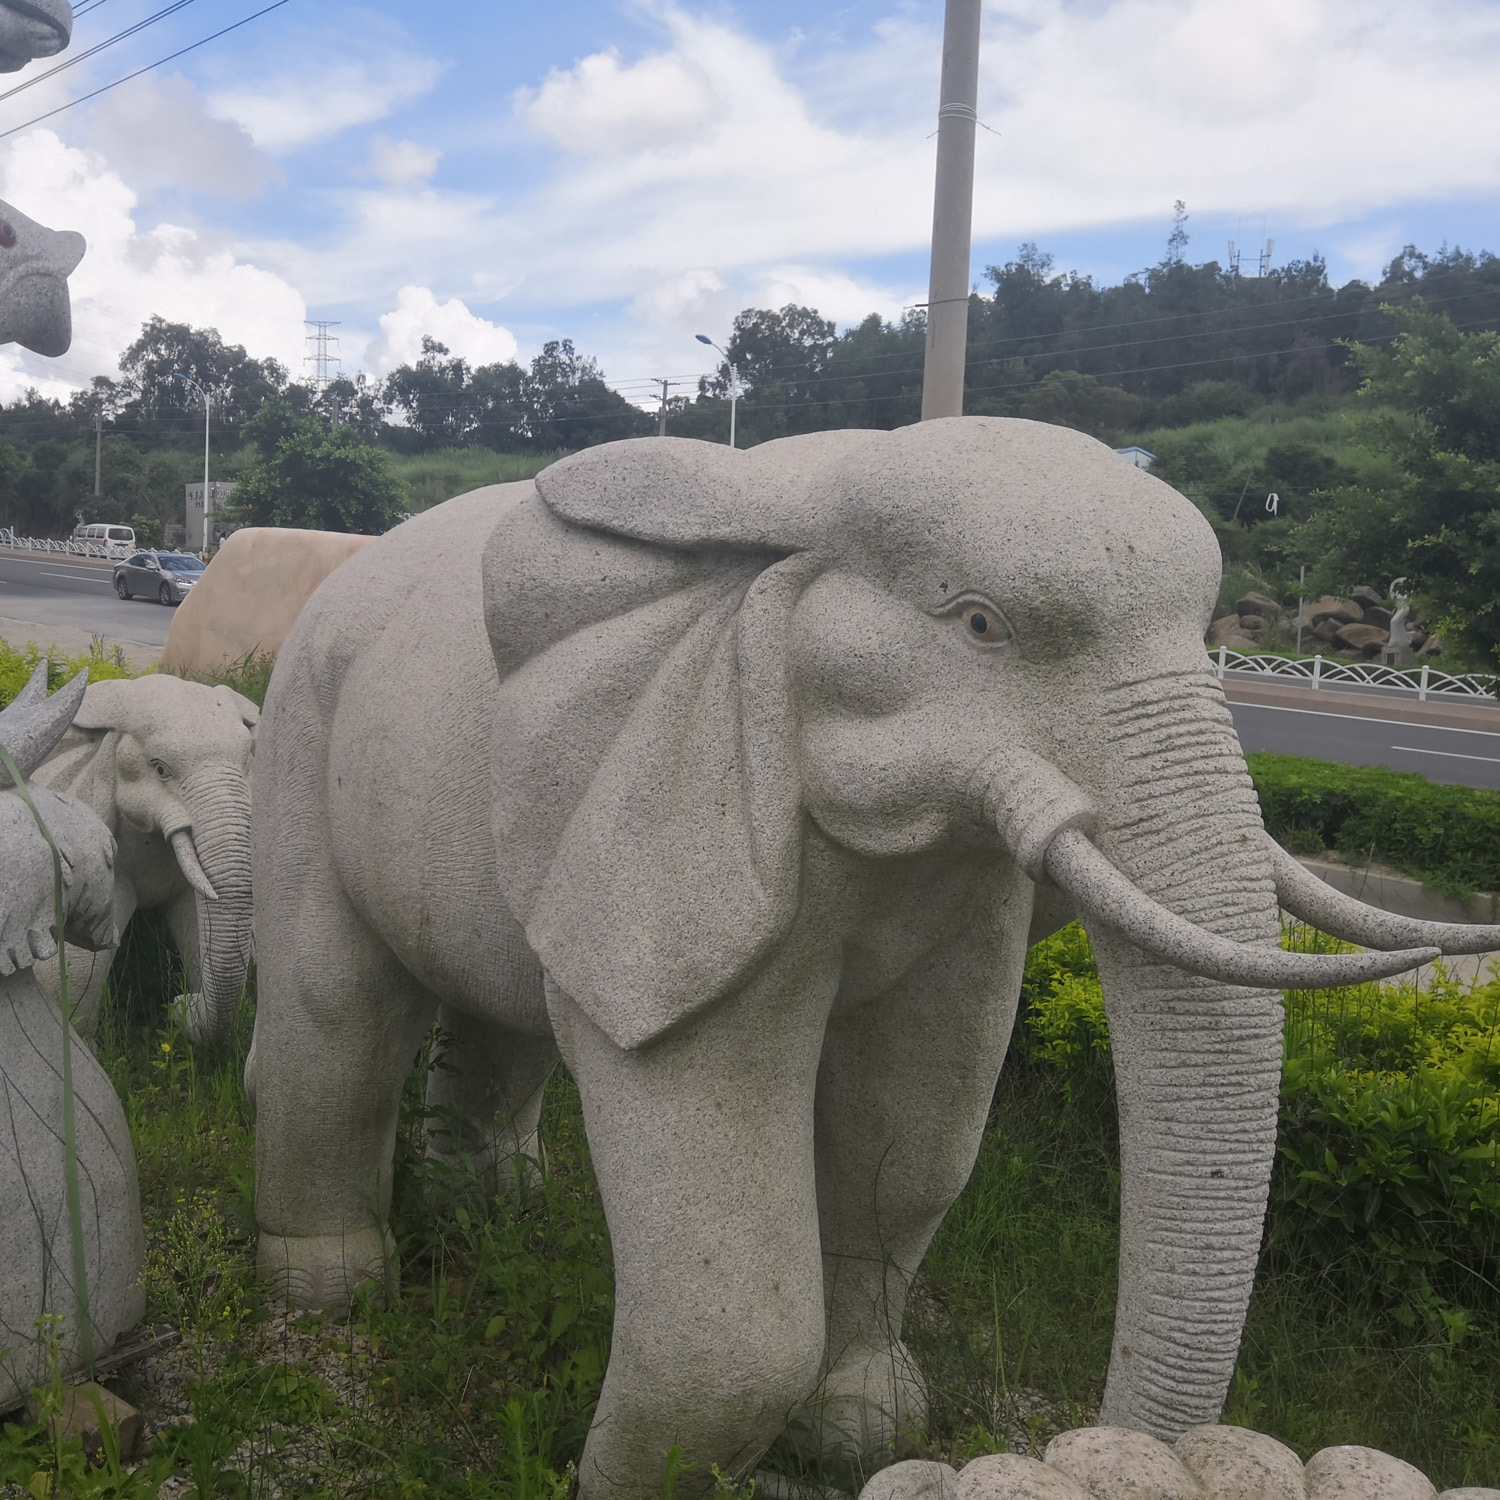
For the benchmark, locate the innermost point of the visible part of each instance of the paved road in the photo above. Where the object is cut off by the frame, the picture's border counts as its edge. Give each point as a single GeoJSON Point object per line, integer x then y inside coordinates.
{"type": "Point", "coordinates": [75, 597]}
{"type": "Point", "coordinates": [1468, 757]}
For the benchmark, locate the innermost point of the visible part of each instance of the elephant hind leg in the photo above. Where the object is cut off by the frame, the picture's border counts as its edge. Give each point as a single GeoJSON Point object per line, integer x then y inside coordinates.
{"type": "Point", "coordinates": [484, 1100]}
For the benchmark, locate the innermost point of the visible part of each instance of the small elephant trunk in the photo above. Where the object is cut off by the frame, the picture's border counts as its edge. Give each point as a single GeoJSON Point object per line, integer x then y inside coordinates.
{"type": "Point", "coordinates": [221, 839]}
{"type": "Point", "coordinates": [1197, 1061]}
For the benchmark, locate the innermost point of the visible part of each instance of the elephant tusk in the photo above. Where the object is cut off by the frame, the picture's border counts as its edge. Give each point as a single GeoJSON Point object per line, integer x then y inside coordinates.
{"type": "Point", "coordinates": [1101, 891]}
{"type": "Point", "coordinates": [187, 859]}
{"type": "Point", "coordinates": [1305, 896]}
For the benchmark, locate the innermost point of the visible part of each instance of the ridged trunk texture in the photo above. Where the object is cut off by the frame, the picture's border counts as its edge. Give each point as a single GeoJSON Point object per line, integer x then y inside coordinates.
{"type": "Point", "coordinates": [221, 834]}
{"type": "Point", "coordinates": [1197, 1062]}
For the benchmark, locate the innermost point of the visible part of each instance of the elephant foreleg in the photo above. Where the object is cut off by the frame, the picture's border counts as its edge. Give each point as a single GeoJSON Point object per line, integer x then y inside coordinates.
{"type": "Point", "coordinates": [484, 1099]}
{"type": "Point", "coordinates": [702, 1145]}
{"type": "Point", "coordinates": [904, 1090]}
{"type": "Point", "coordinates": [182, 920]}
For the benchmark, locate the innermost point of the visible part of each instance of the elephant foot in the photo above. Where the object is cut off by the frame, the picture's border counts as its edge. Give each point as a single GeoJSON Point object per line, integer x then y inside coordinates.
{"type": "Point", "coordinates": [320, 1272]}
{"type": "Point", "coordinates": [869, 1405]}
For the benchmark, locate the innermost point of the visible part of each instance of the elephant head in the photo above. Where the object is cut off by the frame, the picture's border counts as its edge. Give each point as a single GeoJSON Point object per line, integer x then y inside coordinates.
{"type": "Point", "coordinates": [973, 634]}
{"type": "Point", "coordinates": [165, 763]}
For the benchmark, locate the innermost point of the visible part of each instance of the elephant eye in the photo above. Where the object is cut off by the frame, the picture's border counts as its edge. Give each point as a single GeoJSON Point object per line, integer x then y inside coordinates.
{"type": "Point", "coordinates": [161, 769]}
{"type": "Point", "coordinates": [982, 621]}
{"type": "Point", "coordinates": [7, 234]}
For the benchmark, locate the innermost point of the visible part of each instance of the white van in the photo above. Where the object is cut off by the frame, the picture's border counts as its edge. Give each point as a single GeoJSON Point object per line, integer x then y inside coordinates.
{"type": "Point", "coordinates": [118, 541]}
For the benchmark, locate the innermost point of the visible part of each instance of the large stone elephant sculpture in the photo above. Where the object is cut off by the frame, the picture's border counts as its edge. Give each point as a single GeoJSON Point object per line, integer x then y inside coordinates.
{"type": "Point", "coordinates": [166, 765]}
{"type": "Point", "coordinates": [734, 776]}
{"type": "Point", "coordinates": [37, 1253]}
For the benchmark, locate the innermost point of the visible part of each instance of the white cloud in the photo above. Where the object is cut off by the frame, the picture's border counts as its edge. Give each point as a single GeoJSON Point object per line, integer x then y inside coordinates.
{"type": "Point", "coordinates": [402, 163]}
{"type": "Point", "coordinates": [158, 133]}
{"type": "Point", "coordinates": [418, 312]}
{"type": "Point", "coordinates": [600, 107]}
{"type": "Point", "coordinates": [128, 275]}
{"type": "Point", "coordinates": [296, 107]}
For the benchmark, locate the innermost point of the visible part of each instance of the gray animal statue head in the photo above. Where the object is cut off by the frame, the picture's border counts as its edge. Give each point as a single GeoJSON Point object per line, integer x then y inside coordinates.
{"type": "Point", "coordinates": [30, 29]}
{"type": "Point", "coordinates": [35, 263]}
{"type": "Point", "coordinates": [166, 764]}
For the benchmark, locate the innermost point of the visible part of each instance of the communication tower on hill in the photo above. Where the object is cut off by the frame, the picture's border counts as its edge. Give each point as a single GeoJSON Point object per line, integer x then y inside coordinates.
{"type": "Point", "coordinates": [320, 342]}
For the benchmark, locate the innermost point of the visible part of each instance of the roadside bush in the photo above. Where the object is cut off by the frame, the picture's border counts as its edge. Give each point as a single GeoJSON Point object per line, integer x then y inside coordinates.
{"type": "Point", "coordinates": [17, 663]}
{"type": "Point", "coordinates": [1388, 1169]}
{"type": "Point", "coordinates": [1447, 836]}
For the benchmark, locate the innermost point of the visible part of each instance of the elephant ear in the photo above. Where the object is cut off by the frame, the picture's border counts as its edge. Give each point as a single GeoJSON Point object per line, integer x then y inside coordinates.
{"type": "Point", "coordinates": [677, 868]}
{"type": "Point", "coordinates": [681, 492]}
{"type": "Point", "coordinates": [238, 703]}
{"type": "Point", "coordinates": [107, 705]}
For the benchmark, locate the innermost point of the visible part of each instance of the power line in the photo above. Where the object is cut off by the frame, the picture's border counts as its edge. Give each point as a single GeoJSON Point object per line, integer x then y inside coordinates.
{"type": "Point", "coordinates": [171, 57]}
{"type": "Point", "coordinates": [98, 47]}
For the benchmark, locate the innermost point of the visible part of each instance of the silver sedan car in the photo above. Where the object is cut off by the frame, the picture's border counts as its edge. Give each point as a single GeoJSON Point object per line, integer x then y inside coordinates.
{"type": "Point", "coordinates": [166, 576]}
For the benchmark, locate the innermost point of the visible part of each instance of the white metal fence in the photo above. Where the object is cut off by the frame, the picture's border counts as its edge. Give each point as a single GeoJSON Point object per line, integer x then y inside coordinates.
{"type": "Point", "coordinates": [1323, 671]}
{"type": "Point", "coordinates": [70, 547]}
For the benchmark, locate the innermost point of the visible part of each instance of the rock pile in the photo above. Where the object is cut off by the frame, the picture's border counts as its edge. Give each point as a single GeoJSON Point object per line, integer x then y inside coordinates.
{"type": "Point", "coordinates": [1363, 626]}
{"type": "Point", "coordinates": [1205, 1463]}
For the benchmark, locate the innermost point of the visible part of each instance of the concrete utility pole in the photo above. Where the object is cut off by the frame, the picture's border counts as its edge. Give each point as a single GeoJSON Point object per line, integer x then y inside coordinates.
{"type": "Point", "coordinates": [98, 451]}
{"type": "Point", "coordinates": [661, 417]}
{"type": "Point", "coordinates": [952, 214]}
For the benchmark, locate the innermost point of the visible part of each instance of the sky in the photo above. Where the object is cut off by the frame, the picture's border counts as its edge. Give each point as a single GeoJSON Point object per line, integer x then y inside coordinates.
{"type": "Point", "coordinates": [629, 173]}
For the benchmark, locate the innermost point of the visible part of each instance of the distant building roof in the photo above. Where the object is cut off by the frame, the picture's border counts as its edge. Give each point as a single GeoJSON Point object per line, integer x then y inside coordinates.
{"type": "Point", "coordinates": [1139, 456]}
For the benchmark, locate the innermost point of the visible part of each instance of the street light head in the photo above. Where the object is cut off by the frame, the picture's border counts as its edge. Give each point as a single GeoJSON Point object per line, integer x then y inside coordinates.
{"type": "Point", "coordinates": [703, 338]}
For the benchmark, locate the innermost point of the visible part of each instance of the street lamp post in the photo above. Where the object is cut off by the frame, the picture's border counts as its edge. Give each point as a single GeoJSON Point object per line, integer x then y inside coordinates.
{"type": "Point", "coordinates": [207, 496]}
{"type": "Point", "coordinates": [734, 380]}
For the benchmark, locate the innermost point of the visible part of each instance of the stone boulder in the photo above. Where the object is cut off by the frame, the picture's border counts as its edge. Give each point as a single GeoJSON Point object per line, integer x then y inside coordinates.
{"type": "Point", "coordinates": [1365, 639]}
{"type": "Point", "coordinates": [1377, 614]}
{"type": "Point", "coordinates": [1233, 1463]}
{"type": "Point", "coordinates": [1344, 611]}
{"type": "Point", "coordinates": [1205, 1463]}
{"type": "Point", "coordinates": [1366, 597]}
{"type": "Point", "coordinates": [251, 594]}
{"type": "Point", "coordinates": [1351, 1473]}
{"type": "Point", "coordinates": [1110, 1461]}
{"type": "Point", "coordinates": [1251, 624]}
{"type": "Point", "coordinates": [1227, 632]}
{"type": "Point", "coordinates": [1259, 605]}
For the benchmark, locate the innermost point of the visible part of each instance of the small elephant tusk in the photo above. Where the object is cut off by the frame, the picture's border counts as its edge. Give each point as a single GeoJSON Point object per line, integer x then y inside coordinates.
{"type": "Point", "coordinates": [187, 859]}
{"type": "Point", "coordinates": [1305, 896]}
{"type": "Point", "coordinates": [1101, 891]}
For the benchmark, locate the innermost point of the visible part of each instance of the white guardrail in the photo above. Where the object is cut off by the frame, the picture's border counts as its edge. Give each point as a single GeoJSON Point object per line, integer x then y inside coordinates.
{"type": "Point", "coordinates": [71, 548]}
{"type": "Point", "coordinates": [1326, 671]}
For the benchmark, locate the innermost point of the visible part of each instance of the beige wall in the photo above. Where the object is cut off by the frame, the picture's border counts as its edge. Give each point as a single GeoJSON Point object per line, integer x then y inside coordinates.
{"type": "Point", "coordinates": [251, 593]}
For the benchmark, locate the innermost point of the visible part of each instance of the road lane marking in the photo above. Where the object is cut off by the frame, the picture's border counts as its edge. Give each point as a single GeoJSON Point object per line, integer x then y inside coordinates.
{"type": "Point", "coordinates": [1494, 760]}
{"type": "Point", "coordinates": [1323, 713]}
{"type": "Point", "coordinates": [91, 576]}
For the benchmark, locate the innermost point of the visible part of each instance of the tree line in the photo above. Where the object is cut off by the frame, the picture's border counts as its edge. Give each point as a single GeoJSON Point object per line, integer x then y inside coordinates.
{"type": "Point", "coordinates": [1174, 345]}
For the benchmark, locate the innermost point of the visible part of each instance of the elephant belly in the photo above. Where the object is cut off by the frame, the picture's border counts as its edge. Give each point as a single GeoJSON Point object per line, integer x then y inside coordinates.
{"type": "Point", "coordinates": [409, 794]}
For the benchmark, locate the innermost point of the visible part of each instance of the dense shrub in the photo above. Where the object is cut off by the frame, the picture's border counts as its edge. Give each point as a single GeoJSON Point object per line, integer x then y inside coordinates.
{"type": "Point", "coordinates": [1388, 1171]}
{"type": "Point", "coordinates": [17, 663]}
{"type": "Point", "coordinates": [1448, 836]}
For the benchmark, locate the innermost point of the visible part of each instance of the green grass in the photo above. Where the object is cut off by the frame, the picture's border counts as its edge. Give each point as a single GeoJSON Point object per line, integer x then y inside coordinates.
{"type": "Point", "coordinates": [479, 1378]}
{"type": "Point", "coordinates": [431, 478]}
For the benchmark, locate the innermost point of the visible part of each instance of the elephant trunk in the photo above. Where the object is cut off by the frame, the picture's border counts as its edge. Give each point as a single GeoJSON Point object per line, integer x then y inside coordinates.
{"type": "Point", "coordinates": [1197, 1060]}
{"type": "Point", "coordinates": [220, 846]}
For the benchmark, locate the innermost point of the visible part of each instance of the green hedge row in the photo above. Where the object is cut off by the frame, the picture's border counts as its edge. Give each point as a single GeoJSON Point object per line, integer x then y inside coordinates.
{"type": "Point", "coordinates": [1447, 836]}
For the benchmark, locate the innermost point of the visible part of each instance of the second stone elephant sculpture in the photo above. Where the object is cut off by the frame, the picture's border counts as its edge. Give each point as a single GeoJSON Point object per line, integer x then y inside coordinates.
{"type": "Point", "coordinates": [740, 777]}
{"type": "Point", "coordinates": [165, 764]}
